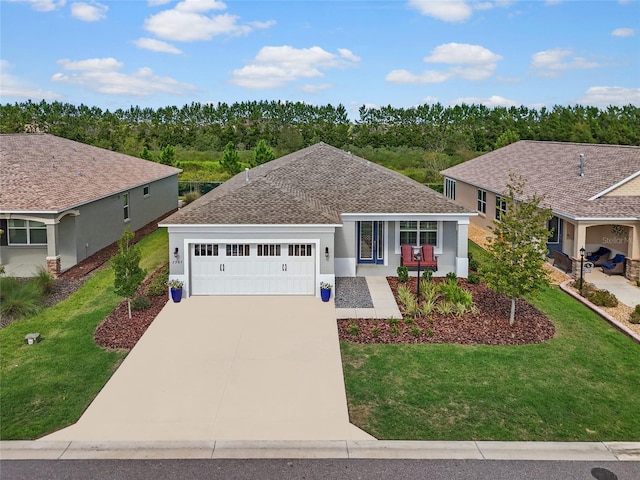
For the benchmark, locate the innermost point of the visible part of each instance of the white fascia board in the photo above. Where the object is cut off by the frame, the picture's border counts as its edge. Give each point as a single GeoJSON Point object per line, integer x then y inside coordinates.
{"type": "Point", "coordinates": [444, 217]}
{"type": "Point", "coordinates": [613, 187]}
{"type": "Point", "coordinates": [594, 219]}
{"type": "Point", "coordinates": [244, 228]}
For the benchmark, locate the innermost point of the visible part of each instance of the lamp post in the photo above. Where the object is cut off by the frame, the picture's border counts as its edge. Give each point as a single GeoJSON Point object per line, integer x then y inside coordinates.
{"type": "Point", "coordinates": [418, 256]}
{"type": "Point", "coordinates": [582, 251]}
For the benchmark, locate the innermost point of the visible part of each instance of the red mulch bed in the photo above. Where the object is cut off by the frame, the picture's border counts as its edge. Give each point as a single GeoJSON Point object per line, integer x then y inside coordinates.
{"type": "Point", "coordinates": [118, 331]}
{"type": "Point", "coordinates": [489, 326]}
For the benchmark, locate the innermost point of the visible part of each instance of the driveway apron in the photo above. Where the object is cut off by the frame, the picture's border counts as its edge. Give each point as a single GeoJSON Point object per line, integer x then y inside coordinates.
{"type": "Point", "coordinates": [227, 368]}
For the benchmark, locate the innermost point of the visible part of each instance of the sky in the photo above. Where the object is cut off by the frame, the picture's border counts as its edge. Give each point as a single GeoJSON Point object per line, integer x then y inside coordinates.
{"type": "Point", "coordinates": [403, 53]}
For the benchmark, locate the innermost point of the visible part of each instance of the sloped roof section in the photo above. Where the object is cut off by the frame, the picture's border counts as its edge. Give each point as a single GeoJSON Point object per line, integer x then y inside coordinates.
{"type": "Point", "coordinates": [45, 173]}
{"type": "Point", "coordinates": [552, 170]}
{"type": "Point", "coordinates": [314, 185]}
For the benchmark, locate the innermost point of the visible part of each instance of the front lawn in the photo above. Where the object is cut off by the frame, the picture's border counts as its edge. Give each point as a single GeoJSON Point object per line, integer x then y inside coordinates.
{"type": "Point", "coordinates": [582, 385]}
{"type": "Point", "coordinates": [47, 386]}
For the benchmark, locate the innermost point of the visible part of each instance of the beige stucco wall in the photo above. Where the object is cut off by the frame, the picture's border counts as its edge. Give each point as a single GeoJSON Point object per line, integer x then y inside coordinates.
{"type": "Point", "coordinates": [632, 188]}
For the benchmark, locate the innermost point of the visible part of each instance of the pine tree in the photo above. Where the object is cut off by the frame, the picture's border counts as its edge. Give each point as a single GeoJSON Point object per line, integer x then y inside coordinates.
{"type": "Point", "coordinates": [231, 160]}
{"type": "Point", "coordinates": [264, 153]}
{"type": "Point", "coordinates": [519, 247]}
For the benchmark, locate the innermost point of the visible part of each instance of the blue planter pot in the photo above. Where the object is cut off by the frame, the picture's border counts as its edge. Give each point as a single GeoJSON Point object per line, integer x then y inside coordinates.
{"type": "Point", "coordinates": [176, 294]}
{"type": "Point", "coordinates": [325, 294]}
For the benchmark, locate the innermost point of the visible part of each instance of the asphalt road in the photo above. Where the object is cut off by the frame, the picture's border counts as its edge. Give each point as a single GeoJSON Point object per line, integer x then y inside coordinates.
{"type": "Point", "coordinates": [325, 469]}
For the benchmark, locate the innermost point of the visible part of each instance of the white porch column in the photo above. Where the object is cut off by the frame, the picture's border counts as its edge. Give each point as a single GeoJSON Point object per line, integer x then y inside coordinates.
{"type": "Point", "coordinates": [462, 250]}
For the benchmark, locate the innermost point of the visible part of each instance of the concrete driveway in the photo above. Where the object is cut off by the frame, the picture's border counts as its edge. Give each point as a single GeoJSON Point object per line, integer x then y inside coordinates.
{"type": "Point", "coordinates": [227, 368]}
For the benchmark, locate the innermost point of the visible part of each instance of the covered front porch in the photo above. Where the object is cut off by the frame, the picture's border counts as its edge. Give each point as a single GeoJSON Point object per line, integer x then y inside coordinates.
{"type": "Point", "coordinates": [371, 245]}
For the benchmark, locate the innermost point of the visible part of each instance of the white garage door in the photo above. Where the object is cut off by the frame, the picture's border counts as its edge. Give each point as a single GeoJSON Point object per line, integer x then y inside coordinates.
{"type": "Point", "coordinates": [252, 269]}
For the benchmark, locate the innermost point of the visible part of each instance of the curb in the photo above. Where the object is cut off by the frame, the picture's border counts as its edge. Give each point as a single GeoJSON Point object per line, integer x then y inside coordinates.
{"type": "Point", "coordinates": [620, 326]}
{"type": "Point", "coordinates": [339, 449]}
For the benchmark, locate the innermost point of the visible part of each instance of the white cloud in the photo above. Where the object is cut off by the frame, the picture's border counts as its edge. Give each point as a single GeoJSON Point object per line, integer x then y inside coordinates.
{"type": "Point", "coordinates": [275, 67]}
{"type": "Point", "coordinates": [156, 46]}
{"type": "Point", "coordinates": [15, 87]}
{"type": "Point", "coordinates": [492, 101]}
{"type": "Point", "coordinates": [43, 5]}
{"type": "Point", "coordinates": [623, 32]}
{"type": "Point", "coordinates": [89, 12]}
{"type": "Point", "coordinates": [157, 3]}
{"type": "Point", "coordinates": [470, 62]}
{"type": "Point", "coordinates": [447, 10]}
{"type": "Point", "coordinates": [605, 96]}
{"type": "Point", "coordinates": [102, 75]}
{"type": "Point", "coordinates": [454, 10]}
{"type": "Point", "coordinates": [550, 63]}
{"type": "Point", "coordinates": [191, 21]}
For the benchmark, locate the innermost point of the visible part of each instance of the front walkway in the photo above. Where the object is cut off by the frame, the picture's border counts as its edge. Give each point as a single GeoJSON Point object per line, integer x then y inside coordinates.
{"type": "Point", "coordinates": [384, 303]}
{"type": "Point", "coordinates": [227, 368]}
{"type": "Point", "coordinates": [622, 288]}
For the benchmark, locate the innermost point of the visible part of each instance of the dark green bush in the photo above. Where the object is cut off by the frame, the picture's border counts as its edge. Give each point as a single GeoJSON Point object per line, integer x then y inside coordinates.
{"type": "Point", "coordinates": [403, 274]}
{"type": "Point", "coordinates": [635, 315]}
{"type": "Point", "coordinates": [602, 298]}
{"type": "Point", "coordinates": [474, 265]}
{"type": "Point", "coordinates": [19, 299]}
{"type": "Point", "coordinates": [139, 304]}
{"type": "Point", "coordinates": [427, 275]}
{"type": "Point", "coordinates": [473, 279]}
{"type": "Point", "coordinates": [452, 277]}
{"type": "Point", "coordinates": [158, 285]}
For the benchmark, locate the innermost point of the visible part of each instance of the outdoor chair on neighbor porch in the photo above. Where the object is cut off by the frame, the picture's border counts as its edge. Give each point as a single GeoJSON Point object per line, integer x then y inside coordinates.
{"type": "Point", "coordinates": [428, 260]}
{"type": "Point", "coordinates": [615, 266]}
{"type": "Point", "coordinates": [600, 256]}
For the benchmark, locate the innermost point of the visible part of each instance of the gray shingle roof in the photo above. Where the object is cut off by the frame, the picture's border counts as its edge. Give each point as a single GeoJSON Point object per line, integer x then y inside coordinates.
{"type": "Point", "coordinates": [312, 186]}
{"type": "Point", "coordinates": [552, 169]}
{"type": "Point", "coordinates": [45, 173]}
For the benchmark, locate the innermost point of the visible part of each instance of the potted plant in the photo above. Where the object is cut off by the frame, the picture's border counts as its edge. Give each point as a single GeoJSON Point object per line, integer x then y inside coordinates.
{"type": "Point", "coordinates": [176, 289]}
{"type": "Point", "coordinates": [325, 291]}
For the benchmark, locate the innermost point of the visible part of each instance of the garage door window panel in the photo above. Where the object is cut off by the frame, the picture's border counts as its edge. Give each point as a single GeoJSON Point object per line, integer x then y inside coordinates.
{"type": "Point", "coordinates": [206, 250]}
{"type": "Point", "coordinates": [269, 250]}
{"type": "Point", "coordinates": [238, 250]}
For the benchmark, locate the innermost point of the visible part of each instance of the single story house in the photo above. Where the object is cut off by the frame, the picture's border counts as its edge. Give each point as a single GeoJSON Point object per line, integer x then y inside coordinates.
{"type": "Point", "coordinates": [61, 201]}
{"type": "Point", "coordinates": [592, 190]}
{"type": "Point", "coordinates": [284, 227]}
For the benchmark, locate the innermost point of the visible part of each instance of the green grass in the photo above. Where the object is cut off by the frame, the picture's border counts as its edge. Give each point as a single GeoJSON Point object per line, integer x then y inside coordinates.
{"type": "Point", "coordinates": [583, 385]}
{"type": "Point", "coordinates": [47, 386]}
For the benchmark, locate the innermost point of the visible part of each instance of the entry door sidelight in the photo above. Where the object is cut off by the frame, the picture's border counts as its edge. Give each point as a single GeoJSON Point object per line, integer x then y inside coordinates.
{"type": "Point", "coordinates": [371, 242]}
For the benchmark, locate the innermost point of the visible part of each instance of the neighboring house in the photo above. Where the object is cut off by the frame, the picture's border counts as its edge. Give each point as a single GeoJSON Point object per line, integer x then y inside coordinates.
{"type": "Point", "coordinates": [593, 191]}
{"type": "Point", "coordinates": [302, 219]}
{"type": "Point", "coordinates": [61, 201]}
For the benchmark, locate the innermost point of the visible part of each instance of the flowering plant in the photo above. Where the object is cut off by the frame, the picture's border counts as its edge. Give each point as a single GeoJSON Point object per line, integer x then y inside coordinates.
{"type": "Point", "coordinates": [325, 286]}
{"type": "Point", "coordinates": [175, 284]}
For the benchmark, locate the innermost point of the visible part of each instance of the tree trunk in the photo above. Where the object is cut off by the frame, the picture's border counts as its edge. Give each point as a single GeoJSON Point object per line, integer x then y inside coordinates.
{"type": "Point", "coordinates": [512, 317]}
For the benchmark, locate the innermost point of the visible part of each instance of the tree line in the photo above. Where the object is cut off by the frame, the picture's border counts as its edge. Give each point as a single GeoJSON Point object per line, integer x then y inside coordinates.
{"type": "Point", "coordinates": [289, 126]}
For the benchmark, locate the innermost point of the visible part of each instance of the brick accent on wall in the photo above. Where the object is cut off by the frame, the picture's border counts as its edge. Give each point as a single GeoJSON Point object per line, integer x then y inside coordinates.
{"type": "Point", "coordinates": [632, 269]}
{"type": "Point", "coordinates": [53, 266]}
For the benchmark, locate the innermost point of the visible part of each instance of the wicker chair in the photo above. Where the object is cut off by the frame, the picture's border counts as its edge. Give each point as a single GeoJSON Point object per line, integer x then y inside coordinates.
{"type": "Point", "coordinates": [615, 266]}
{"type": "Point", "coordinates": [599, 257]}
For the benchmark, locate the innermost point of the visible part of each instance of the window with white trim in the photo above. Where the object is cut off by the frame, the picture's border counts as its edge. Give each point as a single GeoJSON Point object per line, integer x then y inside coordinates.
{"type": "Point", "coordinates": [450, 188]}
{"type": "Point", "coordinates": [419, 232]}
{"type": "Point", "coordinates": [125, 204]}
{"type": "Point", "coordinates": [238, 250]}
{"type": "Point", "coordinates": [501, 207]}
{"type": "Point", "coordinates": [482, 201]}
{"type": "Point", "coordinates": [205, 250]}
{"type": "Point", "coordinates": [300, 250]}
{"type": "Point", "coordinates": [269, 250]}
{"type": "Point", "coordinates": [146, 190]}
{"type": "Point", "coordinates": [26, 232]}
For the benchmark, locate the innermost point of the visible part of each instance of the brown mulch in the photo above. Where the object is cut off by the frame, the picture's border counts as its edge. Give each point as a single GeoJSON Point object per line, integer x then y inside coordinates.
{"type": "Point", "coordinates": [118, 331]}
{"type": "Point", "coordinates": [489, 326]}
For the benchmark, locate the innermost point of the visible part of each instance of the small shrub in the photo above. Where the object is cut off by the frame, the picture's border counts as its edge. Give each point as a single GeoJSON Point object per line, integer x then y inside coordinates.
{"type": "Point", "coordinates": [44, 280]}
{"type": "Point", "coordinates": [403, 274]}
{"type": "Point", "coordinates": [412, 307]}
{"type": "Point", "coordinates": [452, 277]}
{"type": "Point", "coordinates": [474, 265]}
{"type": "Point", "coordinates": [394, 322]}
{"type": "Point", "coordinates": [428, 290]}
{"type": "Point", "coordinates": [375, 331]}
{"type": "Point", "coordinates": [404, 294]}
{"type": "Point", "coordinates": [353, 329]}
{"type": "Point", "coordinates": [141, 303]}
{"type": "Point", "coordinates": [429, 332]}
{"type": "Point", "coordinates": [416, 331]}
{"type": "Point", "coordinates": [455, 293]}
{"type": "Point", "coordinates": [409, 321]}
{"type": "Point", "coordinates": [395, 330]}
{"type": "Point", "coordinates": [158, 285]}
{"type": "Point", "coordinates": [635, 315]}
{"type": "Point", "coordinates": [427, 275]}
{"type": "Point", "coordinates": [473, 279]}
{"type": "Point", "coordinates": [428, 306]}
{"type": "Point", "coordinates": [191, 197]}
{"type": "Point", "coordinates": [445, 308]}
{"type": "Point", "coordinates": [603, 298]}
{"type": "Point", "coordinates": [19, 300]}
{"type": "Point", "coordinates": [461, 308]}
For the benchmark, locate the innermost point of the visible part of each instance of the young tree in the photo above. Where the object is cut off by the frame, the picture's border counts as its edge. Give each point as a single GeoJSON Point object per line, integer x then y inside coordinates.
{"type": "Point", "coordinates": [231, 160]}
{"type": "Point", "coordinates": [264, 153]}
{"type": "Point", "coordinates": [168, 155]}
{"type": "Point", "coordinates": [519, 247]}
{"type": "Point", "coordinates": [126, 267]}
{"type": "Point", "coordinates": [146, 154]}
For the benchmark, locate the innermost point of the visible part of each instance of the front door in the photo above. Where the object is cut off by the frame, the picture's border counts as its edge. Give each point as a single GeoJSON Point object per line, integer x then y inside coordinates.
{"type": "Point", "coordinates": [555, 227]}
{"type": "Point", "coordinates": [371, 242]}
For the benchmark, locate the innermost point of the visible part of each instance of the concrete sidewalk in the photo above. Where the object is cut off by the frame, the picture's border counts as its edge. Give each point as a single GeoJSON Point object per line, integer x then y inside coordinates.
{"type": "Point", "coordinates": [349, 449]}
